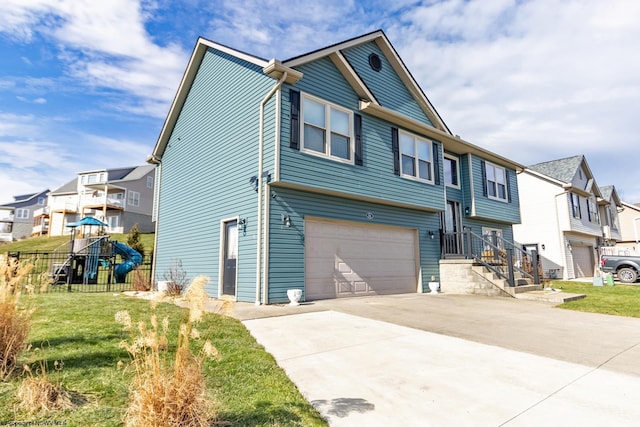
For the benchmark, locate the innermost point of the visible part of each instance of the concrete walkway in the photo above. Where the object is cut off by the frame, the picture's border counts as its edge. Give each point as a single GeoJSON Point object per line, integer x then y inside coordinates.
{"type": "Point", "coordinates": [420, 360]}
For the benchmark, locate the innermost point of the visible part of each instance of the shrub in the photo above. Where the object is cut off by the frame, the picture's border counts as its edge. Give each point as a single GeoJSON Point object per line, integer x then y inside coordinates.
{"type": "Point", "coordinates": [176, 279]}
{"type": "Point", "coordinates": [168, 391]}
{"type": "Point", "coordinates": [133, 239]}
{"type": "Point", "coordinates": [15, 317]}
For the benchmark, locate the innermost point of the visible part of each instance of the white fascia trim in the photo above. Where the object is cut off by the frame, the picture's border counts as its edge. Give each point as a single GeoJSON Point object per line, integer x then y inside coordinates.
{"type": "Point", "coordinates": [185, 84]}
{"type": "Point", "coordinates": [450, 143]}
{"type": "Point", "coordinates": [407, 78]}
{"type": "Point", "coordinates": [352, 77]}
{"type": "Point", "coordinates": [304, 59]}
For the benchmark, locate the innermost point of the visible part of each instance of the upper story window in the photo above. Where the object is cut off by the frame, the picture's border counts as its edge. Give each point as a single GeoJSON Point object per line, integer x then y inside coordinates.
{"type": "Point", "coordinates": [575, 205]}
{"type": "Point", "coordinates": [93, 178]}
{"type": "Point", "coordinates": [416, 157]}
{"type": "Point", "coordinates": [149, 182]}
{"type": "Point", "coordinates": [22, 213]}
{"type": "Point", "coordinates": [133, 198]}
{"type": "Point", "coordinates": [496, 181]}
{"type": "Point", "coordinates": [41, 200]}
{"type": "Point", "coordinates": [592, 208]}
{"type": "Point", "coordinates": [328, 129]}
{"type": "Point", "coordinates": [451, 171]}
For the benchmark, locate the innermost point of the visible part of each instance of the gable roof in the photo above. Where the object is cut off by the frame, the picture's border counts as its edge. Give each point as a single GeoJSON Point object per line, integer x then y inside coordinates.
{"type": "Point", "coordinates": [562, 169]}
{"type": "Point", "coordinates": [24, 198]}
{"type": "Point", "coordinates": [67, 188]}
{"type": "Point", "coordinates": [368, 104]}
{"type": "Point", "coordinates": [610, 194]}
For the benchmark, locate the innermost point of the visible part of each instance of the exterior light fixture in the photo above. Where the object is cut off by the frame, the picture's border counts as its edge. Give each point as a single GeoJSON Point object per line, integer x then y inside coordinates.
{"type": "Point", "coordinates": [253, 181]}
{"type": "Point", "coordinates": [286, 221]}
{"type": "Point", "coordinates": [431, 235]}
{"type": "Point", "coordinates": [467, 211]}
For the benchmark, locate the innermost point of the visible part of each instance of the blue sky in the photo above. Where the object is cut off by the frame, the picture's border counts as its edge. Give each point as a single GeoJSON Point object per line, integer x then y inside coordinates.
{"type": "Point", "coordinates": [87, 84]}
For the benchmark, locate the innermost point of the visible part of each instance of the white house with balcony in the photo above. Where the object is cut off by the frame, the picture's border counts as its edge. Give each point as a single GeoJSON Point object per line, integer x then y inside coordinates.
{"type": "Point", "coordinates": [119, 197]}
{"type": "Point", "coordinates": [566, 216]}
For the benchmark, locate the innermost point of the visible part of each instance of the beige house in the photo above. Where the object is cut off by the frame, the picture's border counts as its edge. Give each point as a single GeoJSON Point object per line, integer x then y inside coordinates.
{"type": "Point", "coordinates": [566, 216]}
{"type": "Point", "coordinates": [119, 197]}
{"type": "Point", "coordinates": [629, 243]}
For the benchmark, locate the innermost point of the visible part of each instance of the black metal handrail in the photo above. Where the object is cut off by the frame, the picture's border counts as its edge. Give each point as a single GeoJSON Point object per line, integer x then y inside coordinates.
{"type": "Point", "coordinates": [499, 255]}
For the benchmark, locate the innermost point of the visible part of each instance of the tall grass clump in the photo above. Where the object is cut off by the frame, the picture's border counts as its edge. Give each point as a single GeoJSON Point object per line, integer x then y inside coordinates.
{"type": "Point", "coordinates": [15, 315]}
{"type": "Point", "coordinates": [39, 393]}
{"type": "Point", "coordinates": [168, 389]}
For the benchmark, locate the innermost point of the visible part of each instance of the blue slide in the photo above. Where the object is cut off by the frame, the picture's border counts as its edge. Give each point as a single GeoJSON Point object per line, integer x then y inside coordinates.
{"type": "Point", "coordinates": [132, 259]}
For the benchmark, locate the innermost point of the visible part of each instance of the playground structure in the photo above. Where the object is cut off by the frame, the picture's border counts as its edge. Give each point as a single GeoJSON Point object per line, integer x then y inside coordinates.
{"type": "Point", "coordinates": [87, 259]}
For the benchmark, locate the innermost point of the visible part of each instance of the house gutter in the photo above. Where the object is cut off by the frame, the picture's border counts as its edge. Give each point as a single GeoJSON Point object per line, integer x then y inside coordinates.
{"type": "Point", "coordinates": [153, 160]}
{"type": "Point", "coordinates": [261, 180]}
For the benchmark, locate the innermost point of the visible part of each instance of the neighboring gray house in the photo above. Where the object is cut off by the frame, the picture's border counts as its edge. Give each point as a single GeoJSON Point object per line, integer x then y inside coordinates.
{"type": "Point", "coordinates": [329, 173]}
{"type": "Point", "coordinates": [566, 216]}
{"type": "Point", "coordinates": [119, 197]}
{"type": "Point", "coordinates": [17, 216]}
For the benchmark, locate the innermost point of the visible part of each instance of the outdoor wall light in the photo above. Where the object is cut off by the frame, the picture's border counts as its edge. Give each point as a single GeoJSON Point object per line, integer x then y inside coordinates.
{"type": "Point", "coordinates": [242, 224]}
{"type": "Point", "coordinates": [431, 235]}
{"type": "Point", "coordinates": [542, 246]}
{"type": "Point", "coordinates": [467, 211]}
{"type": "Point", "coordinates": [286, 221]}
{"type": "Point", "coordinates": [253, 181]}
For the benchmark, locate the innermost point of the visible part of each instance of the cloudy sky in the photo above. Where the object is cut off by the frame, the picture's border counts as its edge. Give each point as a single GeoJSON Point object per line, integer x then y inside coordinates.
{"type": "Point", "coordinates": [87, 84]}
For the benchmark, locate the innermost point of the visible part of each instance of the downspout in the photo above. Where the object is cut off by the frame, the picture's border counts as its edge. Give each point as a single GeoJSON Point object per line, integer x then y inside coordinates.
{"type": "Point", "coordinates": [156, 201]}
{"type": "Point", "coordinates": [261, 185]}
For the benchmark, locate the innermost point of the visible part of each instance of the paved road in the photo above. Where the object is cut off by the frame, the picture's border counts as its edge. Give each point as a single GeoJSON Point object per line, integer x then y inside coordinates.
{"type": "Point", "coordinates": [440, 360]}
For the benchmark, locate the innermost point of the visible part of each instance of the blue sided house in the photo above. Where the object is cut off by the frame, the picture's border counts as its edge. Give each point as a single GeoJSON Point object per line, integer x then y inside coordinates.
{"type": "Point", "coordinates": [330, 172]}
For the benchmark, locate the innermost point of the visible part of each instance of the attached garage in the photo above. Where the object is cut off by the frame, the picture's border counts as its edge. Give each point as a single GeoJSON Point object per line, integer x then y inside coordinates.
{"type": "Point", "coordinates": [583, 264]}
{"type": "Point", "coordinates": [345, 259]}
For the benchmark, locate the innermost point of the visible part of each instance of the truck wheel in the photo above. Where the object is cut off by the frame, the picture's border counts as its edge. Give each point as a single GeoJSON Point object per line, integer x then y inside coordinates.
{"type": "Point", "coordinates": [627, 275]}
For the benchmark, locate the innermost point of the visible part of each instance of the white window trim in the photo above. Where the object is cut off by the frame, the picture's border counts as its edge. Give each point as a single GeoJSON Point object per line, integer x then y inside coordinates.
{"type": "Point", "coordinates": [415, 144]}
{"type": "Point", "coordinates": [19, 213]}
{"type": "Point", "coordinates": [457, 160]}
{"type": "Point", "coordinates": [133, 198]}
{"type": "Point", "coordinates": [506, 184]}
{"type": "Point", "coordinates": [328, 105]}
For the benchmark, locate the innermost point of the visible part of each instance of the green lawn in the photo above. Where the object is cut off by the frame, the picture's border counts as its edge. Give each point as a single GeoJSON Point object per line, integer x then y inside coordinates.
{"type": "Point", "coordinates": [620, 300]}
{"type": "Point", "coordinates": [79, 329]}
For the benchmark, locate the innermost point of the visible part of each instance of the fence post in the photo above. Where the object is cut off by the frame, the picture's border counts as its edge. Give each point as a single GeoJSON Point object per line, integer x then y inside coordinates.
{"type": "Point", "coordinates": [534, 259]}
{"type": "Point", "coordinates": [512, 279]}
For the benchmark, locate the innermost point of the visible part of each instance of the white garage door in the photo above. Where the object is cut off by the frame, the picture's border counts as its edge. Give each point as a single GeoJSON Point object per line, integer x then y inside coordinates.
{"type": "Point", "coordinates": [344, 259]}
{"type": "Point", "coordinates": [582, 260]}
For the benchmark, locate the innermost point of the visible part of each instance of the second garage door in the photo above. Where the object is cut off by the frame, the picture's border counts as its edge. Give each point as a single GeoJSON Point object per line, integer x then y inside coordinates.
{"type": "Point", "coordinates": [345, 259]}
{"type": "Point", "coordinates": [582, 260]}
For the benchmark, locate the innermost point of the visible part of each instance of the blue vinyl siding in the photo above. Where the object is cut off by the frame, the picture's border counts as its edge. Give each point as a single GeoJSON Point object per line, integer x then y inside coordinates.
{"type": "Point", "coordinates": [375, 179]}
{"type": "Point", "coordinates": [490, 209]}
{"type": "Point", "coordinates": [211, 155]}
{"type": "Point", "coordinates": [385, 84]}
{"type": "Point", "coordinates": [286, 245]}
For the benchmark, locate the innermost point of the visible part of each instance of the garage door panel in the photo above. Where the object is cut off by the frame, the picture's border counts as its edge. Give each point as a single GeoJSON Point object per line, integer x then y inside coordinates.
{"type": "Point", "coordinates": [354, 259]}
{"type": "Point", "coordinates": [583, 264]}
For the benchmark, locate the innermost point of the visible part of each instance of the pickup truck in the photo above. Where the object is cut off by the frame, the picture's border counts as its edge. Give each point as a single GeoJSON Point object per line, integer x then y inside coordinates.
{"type": "Point", "coordinates": [627, 268]}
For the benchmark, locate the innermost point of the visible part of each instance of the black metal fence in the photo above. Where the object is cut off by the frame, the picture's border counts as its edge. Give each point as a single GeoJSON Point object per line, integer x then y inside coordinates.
{"type": "Point", "coordinates": [81, 272]}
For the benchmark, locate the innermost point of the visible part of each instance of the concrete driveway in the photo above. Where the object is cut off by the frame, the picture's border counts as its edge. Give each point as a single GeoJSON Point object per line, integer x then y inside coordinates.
{"type": "Point", "coordinates": [420, 360]}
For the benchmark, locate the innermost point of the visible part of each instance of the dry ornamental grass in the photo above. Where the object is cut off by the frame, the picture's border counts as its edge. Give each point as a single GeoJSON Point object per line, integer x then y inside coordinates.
{"type": "Point", "coordinates": [15, 317]}
{"type": "Point", "coordinates": [167, 391]}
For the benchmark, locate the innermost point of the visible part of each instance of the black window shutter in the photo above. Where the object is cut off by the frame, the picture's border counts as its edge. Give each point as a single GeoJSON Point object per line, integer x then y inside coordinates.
{"type": "Point", "coordinates": [436, 164]}
{"type": "Point", "coordinates": [395, 147]}
{"type": "Point", "coordinates": [294, 100]}
{"type": "Point", "coordinates": [357, 123]}
{"type": "Point", "coordinates": [573, 208]}
{"type": "Point", "coordinates": [507, 177]}
{"type": "Point", "coordinates": [588, 210]}
{"type": "Point", "coordinates": [483, 166]}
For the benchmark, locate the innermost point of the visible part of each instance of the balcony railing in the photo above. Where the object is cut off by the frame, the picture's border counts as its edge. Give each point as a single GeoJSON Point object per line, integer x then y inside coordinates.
{"type": "Point", "coordinates": [101, 201]}
{"type": "Point", "coordinates": [41, 211]}
{"type": "Point", "coordinates": [63, 206]}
